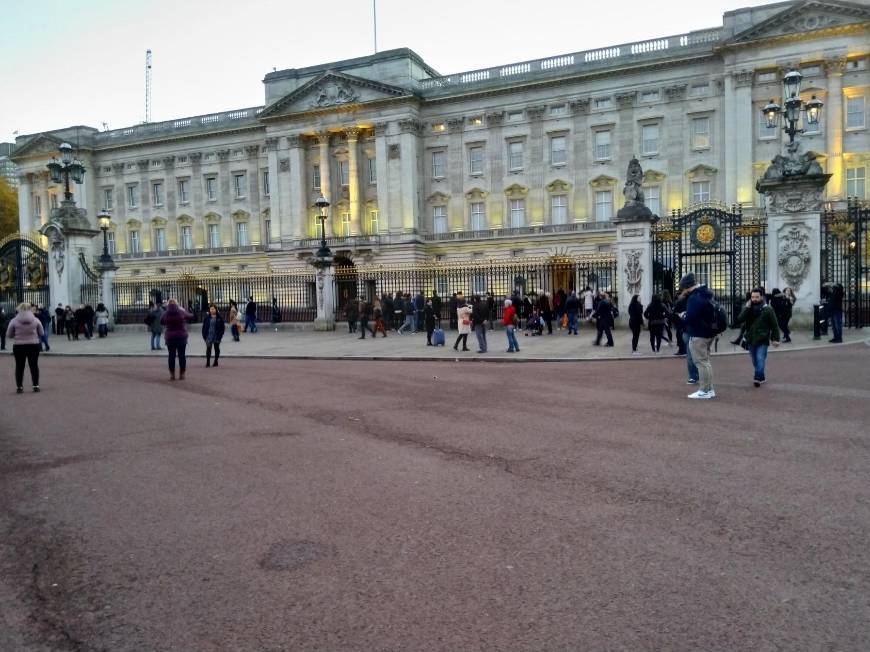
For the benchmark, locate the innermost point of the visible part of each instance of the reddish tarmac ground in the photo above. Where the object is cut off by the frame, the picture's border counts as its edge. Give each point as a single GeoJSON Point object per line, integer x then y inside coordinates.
{"type": "Point", "coordinates": [321, 505]}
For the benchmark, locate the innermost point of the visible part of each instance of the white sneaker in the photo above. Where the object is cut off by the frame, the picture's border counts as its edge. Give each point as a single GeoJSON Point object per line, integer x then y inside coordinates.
{"type": "Point", "coordinates": [701, 394]}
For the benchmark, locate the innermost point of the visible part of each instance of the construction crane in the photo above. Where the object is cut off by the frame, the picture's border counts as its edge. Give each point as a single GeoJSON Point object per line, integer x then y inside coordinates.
{"type": "Point", "coordinates": [147, 86]}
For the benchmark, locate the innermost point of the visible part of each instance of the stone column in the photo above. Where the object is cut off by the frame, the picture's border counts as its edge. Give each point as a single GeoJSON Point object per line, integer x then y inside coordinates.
{"type": "Point", "coordinates": [353, 179]}
{"type": "Point", "coordinates": [410, 172]}
{"type": "Point", "coordinates": [742, 137]}
{"type": "Point", "coordinates": [107, 276]}
{"type": "Point", "coordinates": [255, 181]}
{"type": "Point", "coordinates": [634, 260]}
{"type": "Point", "coordinates": [729, 134]}
{"type": "Point", "coordinates": [25, 209]}
{"type": "Point", "coordinates": [794, 204]}
{"type": "Point", "coordinates": [456, 175]}
{"type": "Point", "coordinates": [298, 213]}
{"type": "Point", "coordinates": [495, 150]}
{"type": "Point", "coordinates": [538, 160]}
{"type": "Point", "coordinates": [197, 203]}
{"type": "Point", "coordinates": [833, 118]}
{"type": "Point", "coordinates": [225, 190]}
{"type": "Point", "coordinates": [385, 211]}
{"type": "Point", "coordinates": [325, 284]}
{"type": "Point", "coordinates": [325, 187]}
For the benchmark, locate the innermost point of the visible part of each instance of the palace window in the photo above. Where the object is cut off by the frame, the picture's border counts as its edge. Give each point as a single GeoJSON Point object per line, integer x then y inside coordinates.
{"type": "Point", "coordinates": [37, 206]}
{"type": "Point", "coordinates": [186, 237]}
{"type": "Point", "coordinates": [374, 227]}
{"type": "Point", "coordinates": [478, 216]}
{"type": "Point", "coordinates": [439, 219]}
{"type": "Point", "coordinates": [214, 236]}
{"type": "Point", "coordinates": [515, 155]}
{"type": "Point", "coordinates": [239, 184]}
{"type": "Point", "coordinates": [701, 133]}
{"type": "Point", "coordinates": [135, 245]}
{"type": "Point", "coordinates": [133, 196]}
{"type": "Point", "coordinates": [700, 191]}
{"type": "Point", "coordinates": [603, 205]}
{"type": "Point", "coordinates": [266, 189]}
{"type": "Point", "coordinates": [438, 165]}
{"type": "Point", "coordinates": [345, 224]}
{"type": "Point", "coordinates": [559, 209]}
{"type": "Point", "coordinates": [315, 176]}
{"type": "Point", "coordinates": [558, 150]}
{"type": "Point", "coordinates": [602, 145]}
{"type": "Point", "coordinates": [110, 242]}
{"type": "Point", "coordinates": [856, 182]}
{"type": "Point", "coordinates": [159, 239]}
{"type": "Point", "coordinates": [211, 188]}
{"type": "Point", "coordinates": [518, 213]}
{"type": "Point", "coordinates": [157, 193]}
{"type": "Point", "coordinates": [373, 171]}
{"type": "Point", "coordinates": [649, 137]}
{"type": "Point", "coordinates": [107, 199]}
{"type": "Point", "coordinates": [475, 160]}
{"type": "Point", "coordinates": [52, 201]}
{"type": "Point", "coordinates": [855, 112]}
{"type": "Point", "coordinates": [183, 191]}
{"type": "Point", "coordinates": [653, 195]}
{"type": "Point", "coordinates": [267, 230]}
{"type": "Point", "coordinates": [242, 234]}
{"type": "Point", "coordinates": [343, 173]}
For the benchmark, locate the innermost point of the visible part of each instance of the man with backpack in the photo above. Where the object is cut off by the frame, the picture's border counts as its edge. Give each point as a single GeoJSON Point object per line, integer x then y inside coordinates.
{"type": "Point", "coordinates": [703, 323]}
{"type": "Point", "coordinates": [762, 329]}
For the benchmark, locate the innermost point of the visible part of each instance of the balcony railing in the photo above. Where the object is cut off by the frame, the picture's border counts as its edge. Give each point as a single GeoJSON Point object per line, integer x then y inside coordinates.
{"type": "Point", "coordinates": [200, 251]}
{"type": "Point", "coordinates": [507, 232]}
{"type": "Point", "coordinates": [577, 62]}
{"type": "Point", "coordinates": [210, 122]}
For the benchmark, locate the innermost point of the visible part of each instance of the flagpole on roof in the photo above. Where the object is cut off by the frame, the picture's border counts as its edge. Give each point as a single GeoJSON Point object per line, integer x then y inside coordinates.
{"type": "Point", "coordinates": [375, 22]}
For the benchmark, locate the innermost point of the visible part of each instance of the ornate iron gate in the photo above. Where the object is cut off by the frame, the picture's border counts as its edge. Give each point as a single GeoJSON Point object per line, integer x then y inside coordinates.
{"type": "Point", "coordinates": [23, 272]}
{"type": "Point", "coordinates": [725, 251]}
{"type": "Point", "coordinates": [846, 259]}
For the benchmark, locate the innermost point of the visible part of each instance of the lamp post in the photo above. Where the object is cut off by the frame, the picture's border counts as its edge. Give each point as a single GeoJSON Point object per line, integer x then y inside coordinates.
{"type": "Point", "coordinates": [105, 221]}
{"type": "Point", "coordinates": [65, 169]}
{"type": "Point", "coordinates": [791, 108]}
{"type": "Point", "coordinates": [323, 208]}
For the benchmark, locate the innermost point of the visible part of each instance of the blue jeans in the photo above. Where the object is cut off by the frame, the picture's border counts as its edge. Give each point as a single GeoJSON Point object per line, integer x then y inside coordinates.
{"type": "Point", "coordinates": [758, 354]}
{"type": "Point", "coordinates": [693, 370]}
{"type": "Point", "coordinates": [155, 341]}
{"type": "Point", "coordinates": [408, 324]}
{"type": "Point", "coordinates": [44, 338]}
{"type": "Point", "coordinates": [837, 325]}
{"type": "Point", "coordinates": [250, 323]}
{"type": "Point", "coordinates": [511, 338]}
{"type": "Point", "coordinates": [572, 323]}
{"type": "Point", "coordinates": [480, 332]}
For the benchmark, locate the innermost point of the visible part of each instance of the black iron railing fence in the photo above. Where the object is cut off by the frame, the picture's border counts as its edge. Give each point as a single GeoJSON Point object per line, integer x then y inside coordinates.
{"type": "Point", "coordinates": [845, 236]}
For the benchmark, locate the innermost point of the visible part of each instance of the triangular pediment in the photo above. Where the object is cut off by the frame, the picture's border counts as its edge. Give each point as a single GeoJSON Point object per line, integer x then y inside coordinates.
{"type": "Point", "coordinates": [803, 17]}
{"type": "Point", "coordinates": [333, 90]}
{"type": "Point", "coordinates": [43, 144]}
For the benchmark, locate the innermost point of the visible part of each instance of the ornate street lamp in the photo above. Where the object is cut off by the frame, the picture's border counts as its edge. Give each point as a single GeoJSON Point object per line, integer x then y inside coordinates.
{"type": "Point", "coordinates": [68, 167]}
{"type": "Point", "coordinates": [792, 107]}
{"type": "Point", "coordinates": [323, 208]}
{"type": "Point", "coordinates": [105, 221]}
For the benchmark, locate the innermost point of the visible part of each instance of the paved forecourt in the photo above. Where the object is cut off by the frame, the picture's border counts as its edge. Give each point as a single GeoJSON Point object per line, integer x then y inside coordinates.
{"type": "Point", "coordinates": [320, 505]}
{"type": "Point", "coordinates": [268, 342]}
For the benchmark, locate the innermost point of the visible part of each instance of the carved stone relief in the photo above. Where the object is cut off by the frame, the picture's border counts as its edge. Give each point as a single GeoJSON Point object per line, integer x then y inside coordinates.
{"type": "Point", "coordinates": [633, 271]}
{"type": "Point", "coordinates": [794, 254]}
{"type": "Point", "coordinates": [332, 93]}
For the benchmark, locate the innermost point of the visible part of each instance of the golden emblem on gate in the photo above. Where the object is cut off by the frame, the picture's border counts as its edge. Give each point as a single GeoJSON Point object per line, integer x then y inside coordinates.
{"type": "Point", "coordinates": [705, 234]}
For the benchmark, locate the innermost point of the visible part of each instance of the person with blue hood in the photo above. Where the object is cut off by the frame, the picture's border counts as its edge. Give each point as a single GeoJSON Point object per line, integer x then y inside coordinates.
{"type": "Point", "coordinates": [698, 322]}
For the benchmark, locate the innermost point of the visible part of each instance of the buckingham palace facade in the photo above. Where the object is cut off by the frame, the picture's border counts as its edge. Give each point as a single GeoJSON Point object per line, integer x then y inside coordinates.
{"type": "Point", "coordinates": [525, 159]}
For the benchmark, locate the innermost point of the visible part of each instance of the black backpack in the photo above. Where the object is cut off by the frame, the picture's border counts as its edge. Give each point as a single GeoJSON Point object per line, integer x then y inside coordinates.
{"type": "Point", "coordinates": [720, 318]}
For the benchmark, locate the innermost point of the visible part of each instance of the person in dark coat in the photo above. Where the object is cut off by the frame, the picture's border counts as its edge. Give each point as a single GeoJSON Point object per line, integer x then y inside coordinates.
{"type": "Point", "coordinates": [71, 324]}
{"type": "Point", "coordinates": [59, 319]}
{"type": "Point", "coordinates": [419, 304]}
{"type": "Point", "coordinates": [635, 321]}
{"type": "Point", "coordinates": [89, 321]}
{"type": "Point", "coordinates": [387, 311]}
{"type": "Point", "coordinates": [479, 317]}
{"type": "Point", "coordinates": [781, 305]}
{"type": "Point", "coordinates": [212, 332]}
{"type": "Point", "coordinates": [603, 316]}
{"type": "Point", "coordinates": [251, 316]}
{"type": "Point", "coordinates": [3, 320]}
{"type": "Point", "coordinates": [436, 305]}
{"type": "Point", "coordinates": [353, 315]}
{"type": "Point", "coordinates": [490, 310]}
{"type": "Point", "coordinates": [452, 307]}
{"type": "Point", "coordinates": [429, 317]}
{"type": "Point", "coordinates": [545, 308]}
{"type": "Point", "coordinates": [834, 311]}
{"type": "Point", "coordinates": [655, 315]}
{"type": "Point", "coordinates": [363, 311]}
{"type": "Point", "coordinates": [572, 309]}
{"type": "Point", "coordinates": [761, 330]}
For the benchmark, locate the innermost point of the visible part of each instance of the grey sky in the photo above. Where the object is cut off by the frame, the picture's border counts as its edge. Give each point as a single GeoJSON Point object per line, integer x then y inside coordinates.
{"type": "Point", "coordinates": [86, 65]}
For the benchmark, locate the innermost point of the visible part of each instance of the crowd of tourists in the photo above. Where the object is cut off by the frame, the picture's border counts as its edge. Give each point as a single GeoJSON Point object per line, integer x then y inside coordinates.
{"type": "Point", "coordinates": [691, 322]}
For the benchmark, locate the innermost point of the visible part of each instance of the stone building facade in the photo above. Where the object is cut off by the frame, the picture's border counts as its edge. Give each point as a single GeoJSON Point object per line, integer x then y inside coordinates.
{"type": "Point", "coordinates": [521, 159]}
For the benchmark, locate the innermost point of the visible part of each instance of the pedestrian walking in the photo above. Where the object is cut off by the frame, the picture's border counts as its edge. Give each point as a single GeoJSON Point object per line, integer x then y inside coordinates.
{"type": "Point", "coordinates": [352, 315]}
{"type": "Point", "coordinates": [378, 316]}
{"type": "Point", "coordinates": [174, 320]}
{"type": "Point", "coordinates": [251, 316]}
{"type": "Point", "coordinates": [276, 311]}
{"type": "Point", "coordinates": [479, 317]}
{"type": "Point", "coordinates": [155, 328]}
{"type": "Point", "coordinates": [409, 311]}
{"type": "Point", "coordinates": [235, 319]}
{"type": "Point", "coordinates": [668, 303]}
{"type": "Point", "coordinates": [699, 319]}
{"type": "Point", "coordinates": [72, 324]}
{"type": "Point", "coordinates": [212, 332]}
{"type": "Point", "coordinates": [545, 308]}
{"type": "Point", "coordinates": [572, 309]}
{"type": "Point", "coordinates": [363, 312]}
{"type": "Point", "coordinates": [490, 310]}
{"type": "Point", "coordinates": [452, 306]}
{"type": "Point", "coordinates": [419, 305]}
{"type": "Point", "coordinates": [398, 312]}
{"type": "Point", "coordinates": [679, 324]}
{"type": "Point", "coordinates": [387, 311]}
{"type": "Point", "coordinates": [782, 308]}
{"type": "Point", "coordinates": [635, 322]}
{"type": "Point", "coordinates": [42, 314]}
{"type": "Point", "coordinates": [26, 332]}
{"type": "Point", "coordinates": [603, 317]}
{"type": "Point", "coordinates": [559, 306]}
{"type": "Point", "coordinates": [102, 318]}
{"type": "Point", "coordinates": [510, 322]}
{"type": "Point", "coordinates": [463, 320]}
{"type": "Point", "coordinates": [436, 305]}
{"type": "Point", "coordinates": [762, 329]}
{"type": "Point", "coordinates": [655, 315]}
{"type": "Point", "coordinates": [834, 310]}
{"type": "Point", "coordinates": [588, 297]}
{"type": "Point", "coordinates": [59, 320]}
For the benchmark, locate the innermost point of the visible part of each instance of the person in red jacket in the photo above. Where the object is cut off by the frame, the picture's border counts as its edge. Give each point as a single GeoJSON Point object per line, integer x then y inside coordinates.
{"type": "Point", "coordinates": [510, 325]}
